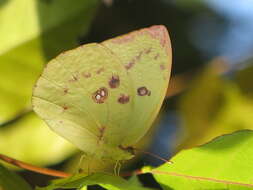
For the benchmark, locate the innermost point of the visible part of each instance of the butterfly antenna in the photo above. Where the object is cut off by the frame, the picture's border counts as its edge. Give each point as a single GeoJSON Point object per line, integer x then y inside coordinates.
{"type": "Point", "coordinates": [154, 155]}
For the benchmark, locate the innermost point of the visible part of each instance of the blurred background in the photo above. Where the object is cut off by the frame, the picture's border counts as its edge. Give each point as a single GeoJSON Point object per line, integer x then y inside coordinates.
{"type": "Point", "coordinates": [210, 93]}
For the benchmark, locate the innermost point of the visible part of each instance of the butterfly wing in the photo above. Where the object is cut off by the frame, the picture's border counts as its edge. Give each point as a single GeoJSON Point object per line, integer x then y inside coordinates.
{"type": "Point", "coordinates": [84, 96]}
{"type": "Point", "coordinates": [103, 97]}
{"type": "Point", "coordinates": [147, 57]}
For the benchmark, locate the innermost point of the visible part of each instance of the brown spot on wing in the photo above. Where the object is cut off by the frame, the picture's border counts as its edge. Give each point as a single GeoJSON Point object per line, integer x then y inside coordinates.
{"type": "Point", "coordinates": [129, 65]}
{"type": "Point", "coordinates": [162, 67]}
{"type": "Point", "coordinates": [123, 99]}
{"type": "Point", "coordinates": [114, 81]}
{"type": "Point", "coordinates": [147, 51]}
{"type": "Point", "coordinates": [86, 75]}
{"type": "Point", "coordinates": [143, 91]}
{"type": "Point", "coordinates": [100, 70]}
{"type": "Point", "coordinates": [100, 95]}
{"type": "Point", "coordinates": [65, 107]}
{"type": "Point", "coordinates": [66, 90]}
{"type": "Point", "coordinates": [138, 57]}
{"type": "Point", "coordinates": [156, 56]}
{"type": "Point", "coordinates": [101, 133]}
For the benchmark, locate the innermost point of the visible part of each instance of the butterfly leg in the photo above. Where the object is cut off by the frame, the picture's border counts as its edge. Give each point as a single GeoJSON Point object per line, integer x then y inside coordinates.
{"type": "Point", "coordinates": [79, 165]}
{"type": "Point", "coordinates": [117, 168]}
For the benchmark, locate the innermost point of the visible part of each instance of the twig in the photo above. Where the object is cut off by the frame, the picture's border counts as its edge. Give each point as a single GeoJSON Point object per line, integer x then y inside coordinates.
{"type": "Point", "coordinates": [36, 169]}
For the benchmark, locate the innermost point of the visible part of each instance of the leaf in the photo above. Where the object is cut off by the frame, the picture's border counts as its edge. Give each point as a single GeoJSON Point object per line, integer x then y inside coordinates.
{"type": "Point", "coordinates": [213, 106]}
{"type": "Point", "coordinates": [224, 163]}
{"type": "Point", "coordinates": [134, 180]}
{"type": "Point", "coordinates": [11, 181]}
{"type": "Point", "coordinates": [105, 180]}
{"type": "Point", "coordinates": [25, 140]}
{"type": "Point", "coordinates": [32, 33]}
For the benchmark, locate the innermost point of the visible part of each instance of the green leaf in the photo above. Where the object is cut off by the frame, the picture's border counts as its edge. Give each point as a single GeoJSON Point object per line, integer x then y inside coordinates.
{"type": "Point", "coordinates": [31, 33]}
{"type": "Point", "coordinates": [224, 163]}
{"type": "Point", "coordinates": [134, 180]}
{"type": "Point", "coordinates": [107, 181]}
{"type": "Point", "coordinates": [30, 140]}
{"type": "Point", "coordinates": [213, 107]}
{"type": "Point", "coordinates": [11, 181]}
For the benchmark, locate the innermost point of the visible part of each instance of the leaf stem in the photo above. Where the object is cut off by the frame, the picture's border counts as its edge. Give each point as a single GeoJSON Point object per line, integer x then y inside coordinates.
{"type": "Point", "coordinates": [33, 168]}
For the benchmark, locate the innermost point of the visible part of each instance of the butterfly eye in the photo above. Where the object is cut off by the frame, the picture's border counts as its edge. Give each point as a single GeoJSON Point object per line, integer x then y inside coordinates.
{"type": "Point", "coordinates": [114, 81]}
{"type": "Point", "coordinates": [86, 75]}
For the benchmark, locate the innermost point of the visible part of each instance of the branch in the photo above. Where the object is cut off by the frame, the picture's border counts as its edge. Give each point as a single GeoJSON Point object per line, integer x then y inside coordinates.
{"type": "Point", "coordinates": [36, 169]}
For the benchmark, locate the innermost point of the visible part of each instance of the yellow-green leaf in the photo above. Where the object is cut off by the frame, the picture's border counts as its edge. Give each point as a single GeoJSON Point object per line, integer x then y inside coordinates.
{"type": "Point", "coordinates": [31, 33]}
{"type": "Point", "coordinates": [213, 106]}
{"type": "Point", "coordinates": [30, 140]}
{"type": "Point", "coordinates": [224, 163]}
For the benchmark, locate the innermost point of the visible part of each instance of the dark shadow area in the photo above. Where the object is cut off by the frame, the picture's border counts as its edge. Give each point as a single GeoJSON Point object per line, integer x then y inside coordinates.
{"type": "Point", "coordinates": [35, 179]}
{"type": "Point", "coordinates": [149, 181]}
{"type": "Point", "coordinates": [95, 187]}
{"type": "Point", "coordinates": [61, 26]}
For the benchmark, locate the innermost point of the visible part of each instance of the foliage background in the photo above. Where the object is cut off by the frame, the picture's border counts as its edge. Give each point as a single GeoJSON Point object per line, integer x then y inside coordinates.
{"type": "Point", "coordinates": [210, 93]}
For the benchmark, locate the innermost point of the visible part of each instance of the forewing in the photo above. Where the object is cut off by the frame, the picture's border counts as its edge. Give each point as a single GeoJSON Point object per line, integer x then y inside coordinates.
{"type": "Point", "coordinates": [146, 56]}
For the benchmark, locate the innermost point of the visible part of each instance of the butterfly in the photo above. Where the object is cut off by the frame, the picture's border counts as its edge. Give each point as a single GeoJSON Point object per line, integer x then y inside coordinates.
{"type": "Point", "coordinates": [103, 97]}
